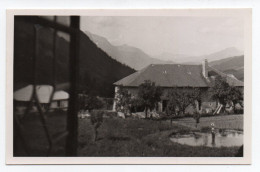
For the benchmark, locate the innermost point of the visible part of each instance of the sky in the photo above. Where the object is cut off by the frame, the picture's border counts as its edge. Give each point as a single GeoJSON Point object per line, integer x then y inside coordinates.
{"type": "Point", "coordinates": [155, 35]}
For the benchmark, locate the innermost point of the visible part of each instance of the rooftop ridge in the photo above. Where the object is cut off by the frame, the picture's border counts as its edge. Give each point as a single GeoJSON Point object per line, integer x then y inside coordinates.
{"type": "Point", "coordinates": [166, 75]}
{"type": "Point", "coordinates": [131, 75]}
{"type": "Point", "coordinates": [175, 64]}
{"type": "Point", "coordinates": [226, 75]}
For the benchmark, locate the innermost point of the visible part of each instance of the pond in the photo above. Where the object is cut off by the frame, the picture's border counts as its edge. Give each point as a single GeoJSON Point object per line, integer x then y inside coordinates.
{"type": "Point", "coordinates": [224, 138]}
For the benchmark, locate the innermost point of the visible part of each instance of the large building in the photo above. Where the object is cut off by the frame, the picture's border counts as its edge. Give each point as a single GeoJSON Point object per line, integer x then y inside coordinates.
{"type": "Point", "coordinates": [168, 76]}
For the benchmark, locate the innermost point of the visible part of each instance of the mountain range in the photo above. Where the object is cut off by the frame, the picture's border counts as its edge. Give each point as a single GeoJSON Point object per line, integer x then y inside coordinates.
{"type": "Point", "coordinates": [129, 55]}
{"type": "Point", "coordinates": [232, 65]}
{"type": "Point", "coordinates": [101, 63]}
{"type": "Point", "coordinates": [138, 59]}
{"type": "Point", "coordinates": [225, 53]}
{"type": "Point", "coordinates": [189, 59]}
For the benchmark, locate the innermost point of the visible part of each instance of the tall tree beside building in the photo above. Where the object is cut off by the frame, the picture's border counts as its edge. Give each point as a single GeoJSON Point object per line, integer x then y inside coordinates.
{"type": "Point", "coordinates": [220, 90]}
{"type": "Point", "coordinates": [123, 99]}
{"type": "Point", "coordinates": [226, 94]}
{"type": "Point", "coordinates": [149, 95]}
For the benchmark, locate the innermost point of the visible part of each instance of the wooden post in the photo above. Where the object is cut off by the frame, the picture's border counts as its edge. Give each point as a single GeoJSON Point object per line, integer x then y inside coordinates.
{"type": "Point", "coordinates": [72, 117]}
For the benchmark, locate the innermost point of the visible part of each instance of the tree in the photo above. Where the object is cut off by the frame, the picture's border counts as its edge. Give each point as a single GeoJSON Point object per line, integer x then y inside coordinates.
{"type": "Point", "coordinates": [180, 99]}
{"type": "Point", "coordinates": [197, 116]}
{"type": "Point", "coordinates": [136, 105]}
{"type": "Point", "coordinates": [96, 118]}
{"type": "Point", "coordinates": [196, 97]}
{"type": "Point", "coordinates": [89, 102]}
{"type": "Point", "coordinates": [226, 94]}
{"type": "Point", "coordinates": [220, 90]}
{"type": "Point", "coordinates": [196, 101]}
{"type": "Point", "coordinates": [236, 96]}
{"type": "Point", "coordinates": [123, 100]}
{"type": "Point", "coordinates": [171, 108]}
{"type": "Point", "coordinates": [149, 95]}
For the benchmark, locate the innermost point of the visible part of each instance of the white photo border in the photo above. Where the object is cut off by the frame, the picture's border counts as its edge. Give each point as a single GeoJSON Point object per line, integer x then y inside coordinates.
{"type": "Point", "coordinates": [246, 159]}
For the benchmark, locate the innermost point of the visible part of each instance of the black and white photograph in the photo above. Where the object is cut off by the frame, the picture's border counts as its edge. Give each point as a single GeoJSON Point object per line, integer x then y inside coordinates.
{"type": "Point", "coordinates": [130, 84]}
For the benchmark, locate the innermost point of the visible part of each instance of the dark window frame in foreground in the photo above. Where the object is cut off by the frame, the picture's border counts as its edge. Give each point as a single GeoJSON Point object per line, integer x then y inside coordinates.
{"type": "Point", "coordinates": [72, 120]}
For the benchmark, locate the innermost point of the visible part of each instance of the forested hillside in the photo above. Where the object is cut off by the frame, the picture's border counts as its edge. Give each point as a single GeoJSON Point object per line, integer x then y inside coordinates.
{"type": "Point", "coordinates": [98, 71]}
{"type": "Point", "coordinates": [231, 65]}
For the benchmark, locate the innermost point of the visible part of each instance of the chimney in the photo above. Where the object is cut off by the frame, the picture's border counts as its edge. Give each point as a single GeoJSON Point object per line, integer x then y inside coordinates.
{"type": "Point", "coordinates": [205, 68]}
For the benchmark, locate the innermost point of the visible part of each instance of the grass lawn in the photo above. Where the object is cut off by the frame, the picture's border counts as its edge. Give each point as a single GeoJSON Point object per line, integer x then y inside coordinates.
{"type": "Point", "coordinates": [124, 137]}
{"type": "Point", "coordinates": [138, 137]}
{"type": "Point", "coordinates": [223, 122]}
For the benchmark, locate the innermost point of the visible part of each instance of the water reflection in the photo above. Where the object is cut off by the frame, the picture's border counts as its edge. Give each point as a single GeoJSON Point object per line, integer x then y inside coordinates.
{"type": "Point", "coordinates": [225, 138]}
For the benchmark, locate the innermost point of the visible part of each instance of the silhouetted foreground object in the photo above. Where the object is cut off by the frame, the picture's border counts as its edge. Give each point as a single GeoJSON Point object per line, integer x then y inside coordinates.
{"type": "Point", "coordinates": [72, 120]}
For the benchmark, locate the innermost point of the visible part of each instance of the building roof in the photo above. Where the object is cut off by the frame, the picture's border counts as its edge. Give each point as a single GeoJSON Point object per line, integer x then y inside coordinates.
{"type": "Point", "coordinates": [231, 79]}
{"type": "Point", "coordinates": [167, 75]}
{"type": "Point", "coordinates": [43, 92]}
{"type": "Point", "coordinates": [174, 75]}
